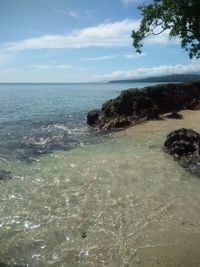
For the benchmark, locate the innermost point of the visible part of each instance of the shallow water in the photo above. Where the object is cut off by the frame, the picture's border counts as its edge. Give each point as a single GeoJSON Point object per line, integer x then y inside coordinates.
{"type": "Point", "coordinates": [115, 200]}
{"type": "Point", "coordinates": [36, 119]}
{"type": "Point", "coordinates": [123, 202]}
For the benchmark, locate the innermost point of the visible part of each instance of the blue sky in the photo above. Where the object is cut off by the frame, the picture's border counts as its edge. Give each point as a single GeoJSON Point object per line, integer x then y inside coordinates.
{"type": "Point", "coordinates": [81, 41]}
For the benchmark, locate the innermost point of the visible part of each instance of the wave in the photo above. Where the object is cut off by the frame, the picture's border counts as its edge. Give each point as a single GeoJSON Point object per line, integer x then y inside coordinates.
{"type": "Point", "coordinates": [34, 140]}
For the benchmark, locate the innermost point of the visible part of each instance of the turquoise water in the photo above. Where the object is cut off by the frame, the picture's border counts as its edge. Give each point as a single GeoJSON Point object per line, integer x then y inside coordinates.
{"type": "Point", "coordinates": [112, 201]}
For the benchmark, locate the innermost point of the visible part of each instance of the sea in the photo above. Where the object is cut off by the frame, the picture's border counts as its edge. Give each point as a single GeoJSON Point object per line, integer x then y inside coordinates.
{"type": "Point", "coordinates": [72, 196]}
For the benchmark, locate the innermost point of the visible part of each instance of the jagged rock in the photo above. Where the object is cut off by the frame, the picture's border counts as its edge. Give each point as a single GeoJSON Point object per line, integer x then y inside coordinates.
{"type": "Point", "coordinates": [194, 104]}
{"type": "Point", "coordinates": [118, 122]}
{"type": "Point", "coordinates": [137, 105]}
{"type": "Point", "coordinates": [175, 115]}
{"type": "Point", "coordinates": [93, 117]}
{"type": "Point", "coordinates": [184, 145]}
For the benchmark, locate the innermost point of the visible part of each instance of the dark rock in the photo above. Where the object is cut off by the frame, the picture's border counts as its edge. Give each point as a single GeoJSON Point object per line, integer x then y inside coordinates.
{"type": "Point", "coordinates": [137, 105]}
{"type": "Point", "coordinates": [175, 115]}
{"type": "Point", "coordinates": [194, 104]}
{"type": "Point", "coordinates": [5, 175]}
{"type": "Point", "coordinates": [93, 117]}
{"type": "Point", "coordinates": [184, 145]}
{"type": "Point", "coordinates": [118, 122]}
{"type": "Point", "coordinates": [84, 235]}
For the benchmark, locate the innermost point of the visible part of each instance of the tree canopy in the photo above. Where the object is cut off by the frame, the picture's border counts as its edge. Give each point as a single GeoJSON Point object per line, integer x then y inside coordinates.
{"type": "Point", "coordinates": [180, 17]}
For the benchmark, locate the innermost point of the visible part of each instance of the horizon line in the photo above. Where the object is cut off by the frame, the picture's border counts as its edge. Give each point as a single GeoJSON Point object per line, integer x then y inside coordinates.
{"type": "Point", "coordinates": [54, 82]}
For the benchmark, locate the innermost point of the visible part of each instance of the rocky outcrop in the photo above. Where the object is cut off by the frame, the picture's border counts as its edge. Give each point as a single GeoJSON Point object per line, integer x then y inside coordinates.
{"type": "Point", "coordinates": [136, 105]}
{"type": "Point", "coordinates": [194, 104]}
{"type": "Point", "coordinates": [93, 117]}
{"type": "Point", "coordinates": [184, 145]}
{"type": "Point", "coordinates": [174, 115]}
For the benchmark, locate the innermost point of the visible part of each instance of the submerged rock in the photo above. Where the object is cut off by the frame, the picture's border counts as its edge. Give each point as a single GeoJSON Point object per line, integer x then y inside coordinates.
{"type": "Point", "coordinates": [5, 175]}
{"type": "Point", "coordinates": [136, 105]}
{"type": "Point", "coordinates": [84, 235]}
{"type": "Point", "coordinates": [184, 145]}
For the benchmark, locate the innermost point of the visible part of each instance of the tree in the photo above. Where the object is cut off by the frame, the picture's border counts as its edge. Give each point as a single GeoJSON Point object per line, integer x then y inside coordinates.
{"type": "Point", "coordinates": [180, 17]}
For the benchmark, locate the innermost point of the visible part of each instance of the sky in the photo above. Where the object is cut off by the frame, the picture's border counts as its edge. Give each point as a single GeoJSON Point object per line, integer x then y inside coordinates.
{"type": "Point", "coordinates": [64, 41]}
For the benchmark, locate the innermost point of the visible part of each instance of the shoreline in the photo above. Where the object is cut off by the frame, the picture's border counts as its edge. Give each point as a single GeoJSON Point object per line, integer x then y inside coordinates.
{"type": "Point", "coordinates": [134, 105]}
{"type": "Point", "coordinates": [172, 240]}
{"type": "Point", "coordinates": [190, 120]}
{"type": "Point", "coordinates": [120, 202]}
{"type": "Point", "coordinates": [124, 191]}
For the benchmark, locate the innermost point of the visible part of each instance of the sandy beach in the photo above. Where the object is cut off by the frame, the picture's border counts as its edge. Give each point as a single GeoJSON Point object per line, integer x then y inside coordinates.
{"type": "Point", "coordinates": [171, 235]}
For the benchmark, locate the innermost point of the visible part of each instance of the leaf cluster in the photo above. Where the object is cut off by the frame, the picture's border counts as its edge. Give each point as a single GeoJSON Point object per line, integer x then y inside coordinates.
{"type": "Point", "coordinates": [180, 17]}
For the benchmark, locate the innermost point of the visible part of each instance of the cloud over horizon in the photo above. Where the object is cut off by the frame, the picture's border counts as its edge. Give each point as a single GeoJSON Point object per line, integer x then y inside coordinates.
{"type": "Point", "coordinates": [77, 39]}
{"type": "Point", "coordinates": [194, 66]}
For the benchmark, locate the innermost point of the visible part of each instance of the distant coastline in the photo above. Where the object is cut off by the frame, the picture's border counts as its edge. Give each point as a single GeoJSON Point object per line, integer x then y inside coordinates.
{"type": "Point", "coordinates": [158, 79]}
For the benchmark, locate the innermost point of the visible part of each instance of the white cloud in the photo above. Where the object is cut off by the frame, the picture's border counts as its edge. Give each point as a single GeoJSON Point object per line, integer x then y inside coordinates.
{"type": "Point", "coordinates": [154, 71]}
{"type": "Point", "coordinates": [103, 35]}
{"type": "Point", "coordinates": [107, 57]}
{"type": "Point", "coordinates": [135, 55]}
{"type": "Point", "coordinates": [74, 14]}
{"type": "Point", "coordinates": [108, 34]}
{"type": "Point", "coordinates": [51, 67]}
{"type": "Point", "coordinates": [162, 39]}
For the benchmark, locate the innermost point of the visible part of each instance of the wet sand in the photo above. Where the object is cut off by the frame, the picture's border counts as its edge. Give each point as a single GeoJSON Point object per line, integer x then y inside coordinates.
{"type": "Point", "coordinates": [171, 236]}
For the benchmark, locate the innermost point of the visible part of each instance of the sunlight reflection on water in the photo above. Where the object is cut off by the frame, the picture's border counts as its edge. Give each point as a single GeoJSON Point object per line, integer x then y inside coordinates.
{"type": "Point", "coordinates": [120, 203]}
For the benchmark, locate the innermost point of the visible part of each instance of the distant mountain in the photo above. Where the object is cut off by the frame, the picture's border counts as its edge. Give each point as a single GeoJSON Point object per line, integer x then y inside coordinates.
{"type": "Point", "coordinates": [161, 79]}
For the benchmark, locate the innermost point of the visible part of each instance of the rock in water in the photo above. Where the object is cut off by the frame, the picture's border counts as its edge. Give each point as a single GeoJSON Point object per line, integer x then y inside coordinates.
{"type": "Point", "coordinates": [84, 235]}
{"type": "Point", "coordinates": [184, 145]}
{"type": "Point", "coordinates": [5, 175]}
{"type": "Point", "coordinates": [93, 117]}
{"type": "Point", "coordinates": [136, 105]}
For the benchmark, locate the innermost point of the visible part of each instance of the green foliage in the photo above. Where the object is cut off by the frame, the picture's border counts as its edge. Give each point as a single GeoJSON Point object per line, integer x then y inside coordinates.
{"type": "Point", "coordinates": [180, 17]}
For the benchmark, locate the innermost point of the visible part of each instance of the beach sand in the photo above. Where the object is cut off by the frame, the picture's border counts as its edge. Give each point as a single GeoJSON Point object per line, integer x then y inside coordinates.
{"type": "Point", "coordinates": [171, 236]}
{"type": "Point", "coordinates": [191, 119]}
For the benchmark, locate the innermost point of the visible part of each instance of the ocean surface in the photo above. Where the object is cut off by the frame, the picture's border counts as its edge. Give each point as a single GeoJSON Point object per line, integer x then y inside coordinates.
{"type": "Point", "coordinates": [36, 119]}
{"type": "Point", "coordinates": [81, 198]}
